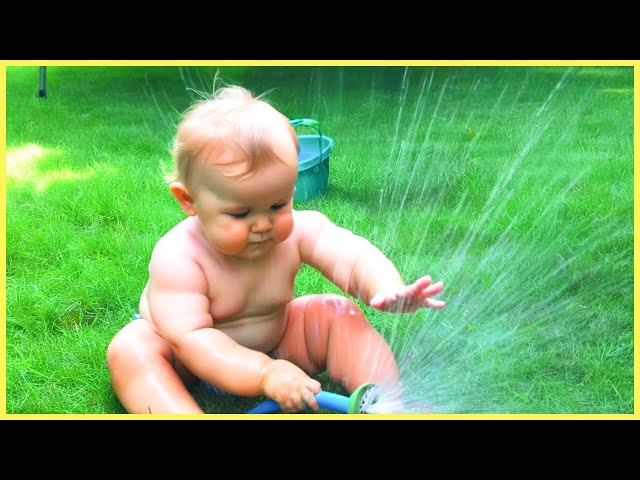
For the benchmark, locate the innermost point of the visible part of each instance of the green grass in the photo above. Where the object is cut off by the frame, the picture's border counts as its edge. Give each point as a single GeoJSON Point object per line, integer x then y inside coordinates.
{"type": "Point", "coordinates": [513, 185]}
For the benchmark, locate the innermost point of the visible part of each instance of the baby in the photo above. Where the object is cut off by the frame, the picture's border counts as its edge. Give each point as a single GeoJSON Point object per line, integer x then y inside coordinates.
{"type": "Point", "coordinates": [219, 303]}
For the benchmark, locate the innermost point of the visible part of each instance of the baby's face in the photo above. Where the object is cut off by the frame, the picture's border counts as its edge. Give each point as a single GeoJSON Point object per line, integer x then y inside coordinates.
{"type": "Point", "coordinates": [246, 218]}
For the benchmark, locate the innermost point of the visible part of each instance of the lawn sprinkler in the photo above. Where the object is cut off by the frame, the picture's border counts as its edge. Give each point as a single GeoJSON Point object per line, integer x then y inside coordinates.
{"type": "Point", "coordinates": [358, 402]}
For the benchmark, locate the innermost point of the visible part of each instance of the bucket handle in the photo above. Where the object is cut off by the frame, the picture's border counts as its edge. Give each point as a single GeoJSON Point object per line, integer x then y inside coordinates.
{"type": "Point", "coordinates": [309, 122]}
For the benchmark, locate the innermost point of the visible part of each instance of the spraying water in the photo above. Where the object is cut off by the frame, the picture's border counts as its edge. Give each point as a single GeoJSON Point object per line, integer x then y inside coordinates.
{"type": "Point", "coordinates": [516, 277]}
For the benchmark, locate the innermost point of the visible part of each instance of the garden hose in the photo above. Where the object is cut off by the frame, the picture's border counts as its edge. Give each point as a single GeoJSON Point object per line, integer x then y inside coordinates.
{"type": "Point", "coordinates": [358, 402]}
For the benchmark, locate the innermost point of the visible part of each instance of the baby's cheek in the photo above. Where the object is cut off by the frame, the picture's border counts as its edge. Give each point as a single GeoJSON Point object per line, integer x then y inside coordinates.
{"type": "Point", "coordinates": [231, 238]}
{"type": "Point", "coordinates": [283, 226]}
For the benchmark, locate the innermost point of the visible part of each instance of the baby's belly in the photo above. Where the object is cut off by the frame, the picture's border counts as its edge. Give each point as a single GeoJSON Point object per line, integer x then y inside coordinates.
{"type": "Point", "coordinates": [257, 332]}
{"type": "Point", "coordinates": [262, 333]}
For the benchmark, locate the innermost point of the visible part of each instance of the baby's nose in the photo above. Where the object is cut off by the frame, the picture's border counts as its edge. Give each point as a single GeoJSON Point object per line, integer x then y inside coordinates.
{"type": "Point", "coordinates": [262, 224]}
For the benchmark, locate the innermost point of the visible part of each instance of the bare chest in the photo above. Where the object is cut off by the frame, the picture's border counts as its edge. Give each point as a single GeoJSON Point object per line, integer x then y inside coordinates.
{"type": "Point", "coordinates": [256, 289]}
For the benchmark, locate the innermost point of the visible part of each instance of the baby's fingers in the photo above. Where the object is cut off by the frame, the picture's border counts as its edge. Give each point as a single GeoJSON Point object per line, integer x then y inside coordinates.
{"type": "Point", "coordinates": [314, 386]}
{"type": "Point", "coordinates": [310, 399]}
{"type": "Point", "coordinates": [293, 404]}
{"type": "Point", "coordinates": [433, 289]}
{"type": "Point", "coordinates": [430, 302]}
{"type": "Point", "coordinates": [420, 284]}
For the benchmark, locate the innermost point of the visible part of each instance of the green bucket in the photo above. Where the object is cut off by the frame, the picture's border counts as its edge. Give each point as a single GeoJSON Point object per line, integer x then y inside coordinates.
{"type": "Point", "coordinates": [313, 161]}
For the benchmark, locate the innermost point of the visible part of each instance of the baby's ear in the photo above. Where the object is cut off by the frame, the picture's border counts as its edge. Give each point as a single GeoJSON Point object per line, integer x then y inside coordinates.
{"type": "Point", "coordinates": [179, 190]}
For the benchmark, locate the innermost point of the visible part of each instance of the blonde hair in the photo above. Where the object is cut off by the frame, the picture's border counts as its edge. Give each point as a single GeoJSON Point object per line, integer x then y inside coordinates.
{"type": "Point", "coordinates": [232, 119]}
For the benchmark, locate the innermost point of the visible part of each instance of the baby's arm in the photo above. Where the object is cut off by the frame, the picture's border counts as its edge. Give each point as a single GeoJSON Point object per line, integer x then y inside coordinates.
{"type": "Point", "coordinates": [180, 306]}
{"type": "Point", "coordinates": [359, 268]}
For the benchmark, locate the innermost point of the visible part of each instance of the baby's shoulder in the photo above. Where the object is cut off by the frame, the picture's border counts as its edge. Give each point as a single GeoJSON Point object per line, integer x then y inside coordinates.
{"type": "Point", "coordinates": [174, 260]}
{"type": "Point", "coordinates": [309, 218]}
{"type": "Point", "coordinates": [176, 245]}
{"type": "Point", "coordinates": [310, 226]}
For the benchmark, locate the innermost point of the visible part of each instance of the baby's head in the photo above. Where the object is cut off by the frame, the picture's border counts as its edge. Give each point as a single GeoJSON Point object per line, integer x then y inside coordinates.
{"type": "Point", "coordinates": [236, 164]}
{"type": "Point", "coordinates": [233, 132]}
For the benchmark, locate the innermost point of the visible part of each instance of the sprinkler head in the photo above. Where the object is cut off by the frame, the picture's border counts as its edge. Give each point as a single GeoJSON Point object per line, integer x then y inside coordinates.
{"type": "Point", "coordinates": [363, 397]}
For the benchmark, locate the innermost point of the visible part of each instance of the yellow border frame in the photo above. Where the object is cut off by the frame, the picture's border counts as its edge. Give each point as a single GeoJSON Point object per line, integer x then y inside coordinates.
{"type": "Point", "coordinates": [636, 308]}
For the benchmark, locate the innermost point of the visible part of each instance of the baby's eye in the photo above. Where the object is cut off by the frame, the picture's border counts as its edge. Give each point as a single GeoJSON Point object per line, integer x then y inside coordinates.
{"type": "Point", "coordinates": [277, 206]}
{"type": "Point", "coordinates": [239, 215]}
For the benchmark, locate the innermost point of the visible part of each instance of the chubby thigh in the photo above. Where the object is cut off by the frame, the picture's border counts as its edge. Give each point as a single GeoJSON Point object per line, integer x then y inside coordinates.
{"type": "Point", "coordinates": [330, 332]}
{"type": "Point", "coordinates": [143, 370]}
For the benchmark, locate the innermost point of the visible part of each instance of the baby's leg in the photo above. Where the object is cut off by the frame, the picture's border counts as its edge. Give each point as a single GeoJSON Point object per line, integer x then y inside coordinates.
{"type": "Point", "coordinates": [146, 376]}
{"type": "Point", "coordinates": [330, 332]}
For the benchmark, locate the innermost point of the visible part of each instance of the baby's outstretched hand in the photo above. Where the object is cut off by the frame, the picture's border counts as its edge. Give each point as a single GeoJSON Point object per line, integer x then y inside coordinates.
{"type": "Point", "coordinates": [290, 387]}
{"type": "Point", "coordinates": [408, 298]}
